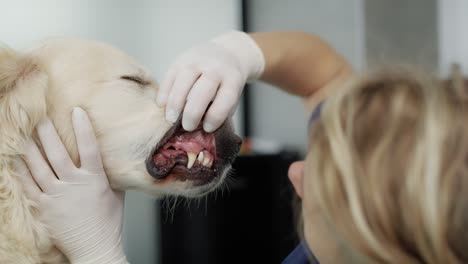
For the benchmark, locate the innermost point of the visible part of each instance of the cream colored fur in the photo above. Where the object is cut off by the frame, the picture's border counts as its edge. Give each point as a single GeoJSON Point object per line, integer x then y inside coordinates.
{"type": "Point", "coordinates": [51, 80]}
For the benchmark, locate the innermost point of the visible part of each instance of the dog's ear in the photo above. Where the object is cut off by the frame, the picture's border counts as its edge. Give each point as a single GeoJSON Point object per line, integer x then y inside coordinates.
{"type": "Point", "coordinates": [23, 86]}
{"type": "Point", "coordinates": [13, 68]}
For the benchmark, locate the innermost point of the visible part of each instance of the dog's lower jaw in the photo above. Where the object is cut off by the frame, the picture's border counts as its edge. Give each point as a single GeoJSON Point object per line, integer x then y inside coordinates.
{"type": "Point", "coordinates": [201, 191]}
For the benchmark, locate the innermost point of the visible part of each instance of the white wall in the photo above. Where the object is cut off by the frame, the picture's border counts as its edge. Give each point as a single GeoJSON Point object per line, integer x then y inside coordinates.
{"type": "Point", "coordinates": [153, 31]}
{"type": "Point", "coordinates": [276, 115]}
{"type": "Point", "coordinates": [401, 31]}
{"type": "Point", "coordinates": [453, 34]}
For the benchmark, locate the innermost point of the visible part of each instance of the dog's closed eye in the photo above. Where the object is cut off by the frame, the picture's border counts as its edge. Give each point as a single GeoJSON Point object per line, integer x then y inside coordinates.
{"type": "Point", "coordinates": [136, 79]}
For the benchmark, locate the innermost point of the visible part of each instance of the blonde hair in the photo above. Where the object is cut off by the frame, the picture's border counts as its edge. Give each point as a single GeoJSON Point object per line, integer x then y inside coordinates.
{"type": "Point", "coordinates": [388, 168]}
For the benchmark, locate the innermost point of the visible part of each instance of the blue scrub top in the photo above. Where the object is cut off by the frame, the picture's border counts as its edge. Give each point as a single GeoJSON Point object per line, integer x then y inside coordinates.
{"type": "Point", "coordinates": [301, 255]}
{"type": "Point", "coordinates": [315, 115]}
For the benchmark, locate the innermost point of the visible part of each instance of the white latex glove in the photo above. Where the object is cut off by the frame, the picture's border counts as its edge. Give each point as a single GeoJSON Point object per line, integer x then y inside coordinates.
{"type": "Point", "coordinates": [215, 71]}
{"type": "Point", "coordinates": [83, 214]}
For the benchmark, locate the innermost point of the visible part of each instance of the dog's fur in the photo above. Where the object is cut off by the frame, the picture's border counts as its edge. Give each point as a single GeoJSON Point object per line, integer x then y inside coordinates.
{"type": "Point", "coordinates": [49, 81]}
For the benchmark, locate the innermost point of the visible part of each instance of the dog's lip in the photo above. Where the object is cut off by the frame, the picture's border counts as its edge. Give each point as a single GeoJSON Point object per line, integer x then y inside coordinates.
{"type": "Point", "coordinates": [198, 178]}
{"type": "Point", "coordinates": [164, 139]}
{"type": "Point", "coordinates": [168, 135]}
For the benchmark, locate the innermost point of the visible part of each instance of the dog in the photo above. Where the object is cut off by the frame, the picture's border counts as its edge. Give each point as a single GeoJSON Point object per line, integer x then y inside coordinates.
{"type": "Point", "coordinates": [140, 149]}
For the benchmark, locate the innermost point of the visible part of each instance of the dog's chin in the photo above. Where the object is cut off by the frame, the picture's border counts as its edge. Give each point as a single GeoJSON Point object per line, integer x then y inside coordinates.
{"type": "Point", "coordinates": [195, 190]}
{"type": "Point", "coordinates": [192, 164]}
{"type": "Point", "coordinates": [171, 186]}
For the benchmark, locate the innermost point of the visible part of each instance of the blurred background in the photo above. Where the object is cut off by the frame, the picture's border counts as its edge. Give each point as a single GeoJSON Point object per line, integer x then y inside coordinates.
{"type": "Point", "coordinates": [253, 214]}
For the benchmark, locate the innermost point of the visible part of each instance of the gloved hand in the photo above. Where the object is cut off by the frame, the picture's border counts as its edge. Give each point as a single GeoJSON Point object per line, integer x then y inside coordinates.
{"type": "Point", "coordinates": [83, 214]}
{"type": "Point", "coordinates": [215, 71]}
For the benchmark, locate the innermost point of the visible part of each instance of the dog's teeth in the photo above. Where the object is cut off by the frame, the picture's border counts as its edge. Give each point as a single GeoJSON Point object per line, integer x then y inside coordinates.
{"type": "Point", "coordinates": [200, 157]}
{"type": "Point", "coordinates": [210, 164]}
{"type": "Point", "coordinates": [206, 160]}
{"type": "Point", "coordinates": [191, 159]}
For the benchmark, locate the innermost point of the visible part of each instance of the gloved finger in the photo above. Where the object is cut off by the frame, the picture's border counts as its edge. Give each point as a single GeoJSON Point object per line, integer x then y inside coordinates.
{"type": "Point", "coordinates": [200, 96]}
{"type": "Point", "coordinates": [177, 97]}
{"type": "Point", "coordinates": [54, 149]}
{"type": "Point", "coordinates": [39, 168]}
{"type": "Point", "coordinates": [29, 185]}
{"type": "Point", "coordinates": [166, 86]}
{"type": "Point", "coordinates": [90, 156]}
{"type": "Point", "coordinates": [223, 104]}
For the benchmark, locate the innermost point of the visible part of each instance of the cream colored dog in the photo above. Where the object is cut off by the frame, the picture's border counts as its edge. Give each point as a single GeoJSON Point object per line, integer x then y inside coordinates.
{"type": "Point", "coordinates": [140, 149]}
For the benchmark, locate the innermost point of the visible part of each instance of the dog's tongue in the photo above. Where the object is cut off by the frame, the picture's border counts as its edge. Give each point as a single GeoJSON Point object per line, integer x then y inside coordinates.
{"type": "Point", "coordinates": [182, 147]}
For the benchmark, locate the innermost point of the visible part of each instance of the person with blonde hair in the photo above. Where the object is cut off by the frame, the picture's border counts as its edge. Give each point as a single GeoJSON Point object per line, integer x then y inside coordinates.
{"type": "Point", "coordinates": [387, 170]}
{"type": "Point", "coordinates": [385, 177]}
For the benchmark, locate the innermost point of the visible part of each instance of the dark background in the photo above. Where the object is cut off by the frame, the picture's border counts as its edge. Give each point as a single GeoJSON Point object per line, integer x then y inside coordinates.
{"type": "Point", "coordinates": [252, 222]}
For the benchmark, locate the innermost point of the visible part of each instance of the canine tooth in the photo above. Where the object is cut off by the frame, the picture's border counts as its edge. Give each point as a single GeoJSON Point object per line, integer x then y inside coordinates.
{"type": "Point", "coordinates": [206, 161]}
{"type": "Point", "coordinates": [191, 159]}
{"type": "Point", "coordinates": [200, 157]}
{"type": "Point", "coordinates": [210, 164]}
